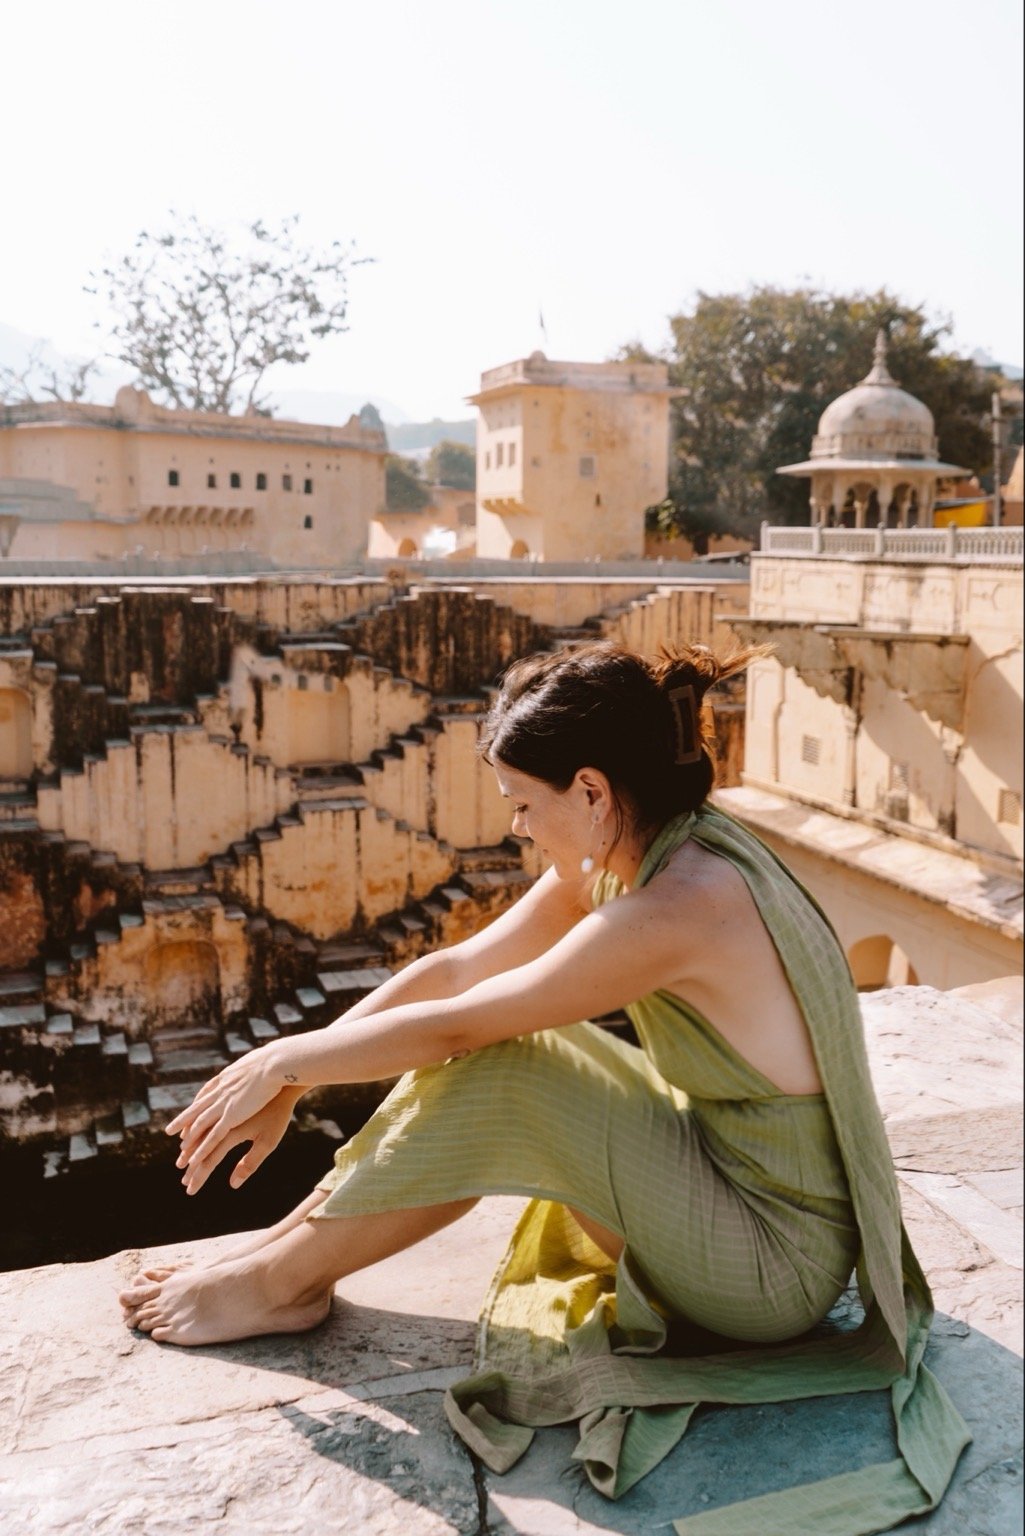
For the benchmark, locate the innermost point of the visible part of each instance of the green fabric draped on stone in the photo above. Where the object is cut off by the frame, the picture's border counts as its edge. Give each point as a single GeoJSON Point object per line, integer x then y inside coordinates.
{"type": "Point", "coordinates": [565, 1337]}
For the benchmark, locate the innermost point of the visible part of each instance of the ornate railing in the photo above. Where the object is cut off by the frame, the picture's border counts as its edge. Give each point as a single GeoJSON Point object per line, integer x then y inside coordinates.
{"type": "Point", "coordinates": [951, 543]}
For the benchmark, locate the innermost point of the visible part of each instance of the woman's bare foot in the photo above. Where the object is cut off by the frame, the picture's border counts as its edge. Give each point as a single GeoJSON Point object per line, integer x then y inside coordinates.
{"type": "Point", "coordinates": [216, 1304]}
{"type": "Point", "coordinates": [256, 1241]}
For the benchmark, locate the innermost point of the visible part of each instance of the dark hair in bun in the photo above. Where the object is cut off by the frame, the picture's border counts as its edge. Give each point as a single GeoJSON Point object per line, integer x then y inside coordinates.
{"type": "Point", "coordinates": [637, 719]}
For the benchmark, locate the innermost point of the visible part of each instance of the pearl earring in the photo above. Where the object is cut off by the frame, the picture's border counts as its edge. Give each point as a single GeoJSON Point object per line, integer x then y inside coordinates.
{"type": "Point", "coordinates": [587, 862]}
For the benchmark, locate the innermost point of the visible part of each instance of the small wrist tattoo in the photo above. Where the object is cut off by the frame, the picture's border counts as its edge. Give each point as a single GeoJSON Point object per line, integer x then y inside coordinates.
{"type": "Point", "coordinates": [290, 1077]}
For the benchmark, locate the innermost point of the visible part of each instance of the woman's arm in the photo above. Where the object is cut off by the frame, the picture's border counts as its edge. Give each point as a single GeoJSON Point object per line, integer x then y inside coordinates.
{"type": "Point", "coordinates": [608, 958]}
{"type": "Point", "coordinates": [537, 921]}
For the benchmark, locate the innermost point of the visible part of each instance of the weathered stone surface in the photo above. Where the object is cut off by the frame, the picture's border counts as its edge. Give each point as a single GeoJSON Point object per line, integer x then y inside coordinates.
{"type": "Point", "coordinates": [342, 1430]}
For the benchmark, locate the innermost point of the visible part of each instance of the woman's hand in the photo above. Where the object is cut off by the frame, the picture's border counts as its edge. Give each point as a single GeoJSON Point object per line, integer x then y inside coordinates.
{"type": "Point", "coordinates": [263, 1130]}
{"type": "Point", "coordinates": [251, 1095]}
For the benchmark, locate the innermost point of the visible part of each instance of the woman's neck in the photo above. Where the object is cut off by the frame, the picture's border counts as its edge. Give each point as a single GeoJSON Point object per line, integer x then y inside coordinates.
{"type": "Point", "coordinates": [627, 856]}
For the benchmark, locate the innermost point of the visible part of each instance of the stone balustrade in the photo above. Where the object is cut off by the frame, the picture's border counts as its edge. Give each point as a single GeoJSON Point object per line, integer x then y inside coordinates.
{"type": "Point", "coordinates": [1002, 545]}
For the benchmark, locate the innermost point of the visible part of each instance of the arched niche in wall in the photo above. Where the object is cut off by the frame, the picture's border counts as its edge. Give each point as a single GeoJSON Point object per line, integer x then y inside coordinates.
{"type": "Point", "coordinates": [15, 734]}
{"type": "Point", "coordinates": [183, 979]}
{"type": "Point", "coordinates": [407, 549]}
{"type": "Point", "coordinates": [878, 962]}
{"type": "Point", "coordinates": [319, 723]}
{"type": "Point", "coordinates": [519, 551]}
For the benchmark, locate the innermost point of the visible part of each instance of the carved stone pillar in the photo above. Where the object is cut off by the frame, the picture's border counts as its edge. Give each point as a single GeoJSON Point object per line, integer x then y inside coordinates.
{"type": "Point", "coordinates": [850, 776]}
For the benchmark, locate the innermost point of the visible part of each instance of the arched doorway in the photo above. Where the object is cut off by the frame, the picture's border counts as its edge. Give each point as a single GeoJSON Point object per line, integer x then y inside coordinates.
{"type": "Point", "coordinates": [878, 962]}
{"type": "Point", "coordinates": [519, 551]}
{"type": "Point", "coordinates": [407, 550]}
{"type": "Point", "coordinates": [183, 984]}
{"type": "Point", "coordinates": [15, 734]}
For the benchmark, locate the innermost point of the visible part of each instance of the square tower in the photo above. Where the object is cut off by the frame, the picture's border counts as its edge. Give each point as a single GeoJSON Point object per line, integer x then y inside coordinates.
{"type": "Point", "coordinates": [569, 456]}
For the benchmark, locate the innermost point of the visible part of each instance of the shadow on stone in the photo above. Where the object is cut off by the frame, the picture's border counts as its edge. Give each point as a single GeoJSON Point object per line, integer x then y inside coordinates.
{"type": "Point", "coordinates": [399, 1438]}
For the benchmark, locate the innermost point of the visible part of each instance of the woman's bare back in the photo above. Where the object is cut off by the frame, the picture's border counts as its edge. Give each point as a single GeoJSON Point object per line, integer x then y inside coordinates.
{"type": "Point", "coordinates": [734, 976]}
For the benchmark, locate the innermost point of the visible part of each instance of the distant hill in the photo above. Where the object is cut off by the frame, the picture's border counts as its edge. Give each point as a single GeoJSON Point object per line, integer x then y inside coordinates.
{"type": "Point", "coordinates": [330, 407]}
{"type": "Point", "coordinates": [421, 436]}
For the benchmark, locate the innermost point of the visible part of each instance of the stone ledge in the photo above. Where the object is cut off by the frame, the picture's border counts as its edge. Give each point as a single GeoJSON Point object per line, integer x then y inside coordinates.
{"type": "Point", "coordinates": [342, 1430]}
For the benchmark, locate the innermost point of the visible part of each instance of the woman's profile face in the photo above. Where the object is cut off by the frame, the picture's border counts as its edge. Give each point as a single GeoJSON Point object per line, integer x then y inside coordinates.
{"type": "Point", "coordinates": [558, 822]}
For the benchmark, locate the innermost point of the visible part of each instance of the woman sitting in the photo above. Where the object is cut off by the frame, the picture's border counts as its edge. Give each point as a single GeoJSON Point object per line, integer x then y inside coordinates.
{"type": "Point", "coordinates": [710, 1190]}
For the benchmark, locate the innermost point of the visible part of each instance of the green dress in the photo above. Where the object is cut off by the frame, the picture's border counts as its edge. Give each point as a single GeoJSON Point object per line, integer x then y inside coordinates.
{"type": "Point", "coordinates": [743, 1211]}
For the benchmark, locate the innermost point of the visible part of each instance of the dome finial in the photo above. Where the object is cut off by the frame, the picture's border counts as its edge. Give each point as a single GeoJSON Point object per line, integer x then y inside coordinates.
{"type": "Point", "coordinates": [879, 372]}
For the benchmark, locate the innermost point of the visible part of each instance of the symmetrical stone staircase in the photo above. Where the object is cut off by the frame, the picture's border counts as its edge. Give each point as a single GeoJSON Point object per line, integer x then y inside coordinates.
{"type": "Point", "coordinates": [96, 1090]}
{"type": "Point", "coordinates": [311, 883]}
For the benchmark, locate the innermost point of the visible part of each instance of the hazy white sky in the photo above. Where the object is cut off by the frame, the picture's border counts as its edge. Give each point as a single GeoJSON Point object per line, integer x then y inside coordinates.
{"type": "Point", "coordinates": [601, 159]}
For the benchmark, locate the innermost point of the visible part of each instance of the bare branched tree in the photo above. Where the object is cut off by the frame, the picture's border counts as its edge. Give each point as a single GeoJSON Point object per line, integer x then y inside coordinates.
{"type": "Point", "coordinates": [201, 318]}
{"type": "Point", "coordinates": [38, 379]}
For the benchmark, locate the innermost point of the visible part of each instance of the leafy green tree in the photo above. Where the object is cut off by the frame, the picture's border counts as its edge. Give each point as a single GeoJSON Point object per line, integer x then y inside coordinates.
{"type": "Point", "coordinates": [453, 464]}
{"type": "Point", "coordinates": [759, 369]}
{"type": "Point", "coordinates": [201, 316]}
{"type": "Point", "coordinates": [405, 490]}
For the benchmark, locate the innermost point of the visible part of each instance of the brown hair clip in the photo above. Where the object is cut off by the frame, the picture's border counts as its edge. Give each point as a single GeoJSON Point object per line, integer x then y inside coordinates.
{"type": "Point", "coordinates": [687, 724]}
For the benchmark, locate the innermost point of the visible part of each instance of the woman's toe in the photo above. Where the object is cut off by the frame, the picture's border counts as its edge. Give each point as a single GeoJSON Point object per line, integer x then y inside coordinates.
{"type": "Point", "coordinates": [138, 1292]}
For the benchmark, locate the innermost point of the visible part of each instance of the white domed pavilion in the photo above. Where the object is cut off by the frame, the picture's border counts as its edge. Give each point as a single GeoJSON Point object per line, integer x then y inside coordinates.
{"type": "Point", "coordinates": [874, 460]}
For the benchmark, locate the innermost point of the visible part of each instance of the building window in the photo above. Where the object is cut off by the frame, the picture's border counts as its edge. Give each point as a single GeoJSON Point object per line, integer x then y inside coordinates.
{"type": "Point", "coordinates": [235, 481]}
{"type": "Point", "coordinates": [811, 749]}
{"type": "Point", "coordinates": [487, 460]}
{"type": "Point", "coordinates": [211, 482]}
{"type": "Point", "coordinates": [261, 482]}
{"type": "Point", "coordinates": [1009, 808]}
{"type": "Point", "coordinates": [512, 455]}
{"type": "Point", "coordinates": [286, 482]}
{"type": "Point", "coordinates": [307, 487]}
{"type": "Point", "coordinates": [499, 455]}
{"type": "Point", "coordinates": [587, 466]}
{"type": "Point", "coordinates": [307, 521]}
{"type": "Point", "coordinates": [172, 477]}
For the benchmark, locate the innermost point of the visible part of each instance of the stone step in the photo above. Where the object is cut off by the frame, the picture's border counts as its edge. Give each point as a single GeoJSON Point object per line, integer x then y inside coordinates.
{"type": "Point", "coordinates": [484, 882]}
{"type": "Point", "coordinates": [19, 986]}
{"type": "Point", "coordinates": [336, 983]}
{"type": "Point", "coordinates": [309, 998]}
{"type": "Point", "coordinates": [22, 1016]}
{"type": "Point", "coordinates": [286, 1015]}
{"type": "Point", "coordinates": [262, 1030]}
{"type": "Point", "coordinates": [178, 882]}
{"type": "Point", "coordinates": [161, 717]}
{"type": "Point", "coordinates": [181, 1066]}
{"type": "Point", "coordinates": [165, 1100]}
{"type": "Point", "coordinates": [134, 1114]}
{"type": "Point", "coordinates": [109, 1131]}
{"type": "Point", "coordinates": [183, 1037]}
{"type": "Point", "coordinates": [349, 956]}
{"type": "Point", "coordinates": [81, 1147]}
{"type": "Point", "coordinates": [499, 856]}
{"type": "Point", "coordinates": [17, 807]}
